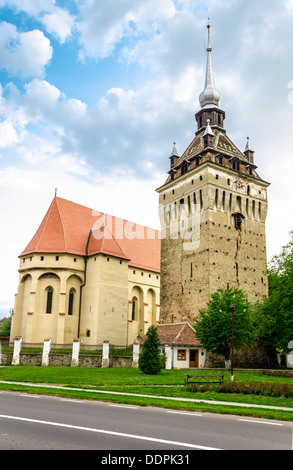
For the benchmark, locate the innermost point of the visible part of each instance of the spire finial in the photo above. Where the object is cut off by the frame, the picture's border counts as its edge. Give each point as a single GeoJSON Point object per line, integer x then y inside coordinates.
{"type": "Point", "coordinates": [209, 36]}
{"type": "Point", "coordinates": [210, 96]}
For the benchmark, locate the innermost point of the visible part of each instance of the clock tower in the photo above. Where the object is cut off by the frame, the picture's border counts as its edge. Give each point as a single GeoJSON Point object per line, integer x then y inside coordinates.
{"type": "Point", "coordinates": [213, 209]}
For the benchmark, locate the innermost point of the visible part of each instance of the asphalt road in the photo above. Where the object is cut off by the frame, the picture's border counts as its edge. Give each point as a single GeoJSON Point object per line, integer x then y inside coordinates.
{"type": "Point", "coordinates": [33, 422]}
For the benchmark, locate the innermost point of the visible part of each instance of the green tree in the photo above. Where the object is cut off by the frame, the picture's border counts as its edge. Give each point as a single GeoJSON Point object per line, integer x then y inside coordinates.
{"type": "Point", "coordinates": [274, 316]}
{"type": "Point", "coordinates": [213, 328]}
{"type": "Point", "coordinates": [149, 360]}
{"type": "Point", "coordinates": [5, 326]}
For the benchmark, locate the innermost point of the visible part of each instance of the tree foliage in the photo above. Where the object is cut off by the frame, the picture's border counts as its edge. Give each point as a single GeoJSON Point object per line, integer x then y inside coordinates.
{"type": "Point", "coordinates": [149, 360]}
{"type": "Point", "coordinates": [5, 326]}
{"type": "Point", "coordinates": [213, 328]}
{"type": "Point", "coordinates": [274, 315]}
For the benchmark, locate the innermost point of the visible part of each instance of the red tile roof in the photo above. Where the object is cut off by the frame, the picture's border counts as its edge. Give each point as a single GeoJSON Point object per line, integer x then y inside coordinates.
{"type": "Point", "coordinates": [75, 229]}
{"type": "Point", "coordinates": [177, 334]}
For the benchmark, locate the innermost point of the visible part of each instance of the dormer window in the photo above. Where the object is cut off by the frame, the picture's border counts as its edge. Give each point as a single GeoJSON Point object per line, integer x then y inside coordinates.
{"type": "Point", "coordinates": [235, 164]}
{"type": "Point", "coordinates": [184, 168]}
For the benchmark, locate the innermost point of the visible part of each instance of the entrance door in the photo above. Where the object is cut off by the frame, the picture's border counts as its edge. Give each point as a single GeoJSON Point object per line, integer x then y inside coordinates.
{"type": "Point", "coordinates": [193, 358]}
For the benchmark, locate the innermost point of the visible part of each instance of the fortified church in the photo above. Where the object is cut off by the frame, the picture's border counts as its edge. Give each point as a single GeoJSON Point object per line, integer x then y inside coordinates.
{"type": "Point", "coordinates": [96, 277]}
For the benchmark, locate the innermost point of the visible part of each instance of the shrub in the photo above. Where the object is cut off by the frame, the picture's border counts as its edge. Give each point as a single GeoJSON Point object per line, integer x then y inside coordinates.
{"type": "Point", "coordinates": [273, 389]}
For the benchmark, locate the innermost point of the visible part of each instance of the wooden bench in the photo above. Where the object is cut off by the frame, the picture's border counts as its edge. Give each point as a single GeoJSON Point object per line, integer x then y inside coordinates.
{"type": "Point", "coordinates": [204, 379]}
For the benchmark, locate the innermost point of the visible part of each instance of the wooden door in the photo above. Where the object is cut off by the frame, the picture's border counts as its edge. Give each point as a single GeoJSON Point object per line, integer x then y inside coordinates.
{"type": "Point", "coordinates": [193, 358]}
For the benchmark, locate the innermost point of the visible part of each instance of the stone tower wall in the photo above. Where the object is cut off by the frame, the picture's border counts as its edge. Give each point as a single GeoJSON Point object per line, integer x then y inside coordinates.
{"type": "Point", "coordinates": [208, 250]}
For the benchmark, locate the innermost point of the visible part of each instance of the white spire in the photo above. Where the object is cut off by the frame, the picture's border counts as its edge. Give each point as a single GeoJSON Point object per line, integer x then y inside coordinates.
{"type": "Point", "coordinates": [248, 146]}
{"type": "Point", "coordinates": [174, 152]}
{"type": "Point", "coordinates": [210, 97]}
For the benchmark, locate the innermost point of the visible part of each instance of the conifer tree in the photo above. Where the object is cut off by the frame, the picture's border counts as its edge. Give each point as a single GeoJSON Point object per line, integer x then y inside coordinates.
{"type": "Point", "coordinates": [149, 360]}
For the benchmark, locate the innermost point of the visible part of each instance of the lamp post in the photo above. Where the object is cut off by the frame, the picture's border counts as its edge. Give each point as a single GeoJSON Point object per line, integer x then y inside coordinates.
{"type": "Point", "coordinates": [232, 310]}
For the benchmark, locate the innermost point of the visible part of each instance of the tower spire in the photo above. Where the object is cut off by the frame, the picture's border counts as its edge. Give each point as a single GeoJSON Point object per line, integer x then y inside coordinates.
{"type": "Point", "coordinates": [210, 97]}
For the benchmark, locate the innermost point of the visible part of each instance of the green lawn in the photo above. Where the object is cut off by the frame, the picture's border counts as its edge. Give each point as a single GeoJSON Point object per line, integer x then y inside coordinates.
{"type": "Point", "coordinates": [168, 384]}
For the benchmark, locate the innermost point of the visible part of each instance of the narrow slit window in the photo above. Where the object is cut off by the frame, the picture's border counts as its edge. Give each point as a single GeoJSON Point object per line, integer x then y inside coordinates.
{"type": "Point", "coordinates": [49, 300]}
{"type": "Point", "coordinates": [71, 302]}
{"type": "Point", "coordinates": [133, 310]}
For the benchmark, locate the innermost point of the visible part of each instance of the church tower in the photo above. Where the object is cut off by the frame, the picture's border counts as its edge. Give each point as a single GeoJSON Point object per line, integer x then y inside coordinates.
{"type": "Point", "coordinates": [213, 208]}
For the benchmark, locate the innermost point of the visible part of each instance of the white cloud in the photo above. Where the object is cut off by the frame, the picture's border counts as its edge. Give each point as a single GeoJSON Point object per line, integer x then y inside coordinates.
{"type": "Point", "coordinates": [103, 25]}
{"type": "Point", "coordinates": [25, 53]}
{"type": "Point", "coordinates": [57, 21]}
{"type": "Point", "coordinates": [8, 134]}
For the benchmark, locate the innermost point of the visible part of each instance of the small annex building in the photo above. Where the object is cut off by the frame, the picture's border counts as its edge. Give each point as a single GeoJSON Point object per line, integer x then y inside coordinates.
{"type": "Point", "coordinates": [182, 349]}
{"type": "Point", "coordinates": [87, 275]}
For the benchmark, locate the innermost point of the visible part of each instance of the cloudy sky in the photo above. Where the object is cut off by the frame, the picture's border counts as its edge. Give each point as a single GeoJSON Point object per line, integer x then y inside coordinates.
{"type": "Point", "coordinates": [94, 92]}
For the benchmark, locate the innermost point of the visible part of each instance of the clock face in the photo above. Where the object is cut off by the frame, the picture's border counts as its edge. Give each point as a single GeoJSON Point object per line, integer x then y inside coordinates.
{"type": "Point", "coordinates": [239, 185]}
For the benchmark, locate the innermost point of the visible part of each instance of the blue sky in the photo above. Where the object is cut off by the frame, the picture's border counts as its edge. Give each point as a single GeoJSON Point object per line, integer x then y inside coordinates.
{"type": "Point", "coordinates": [94, 92]}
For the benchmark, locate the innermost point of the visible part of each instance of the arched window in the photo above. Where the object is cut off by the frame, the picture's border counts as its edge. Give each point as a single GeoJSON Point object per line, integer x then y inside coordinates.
{"type": "Point", "coordinates": [49, 300]}
{"type": "Point", "coordinates": [134, 308]}
{"type": "Point", "coordinates": [71, 301]}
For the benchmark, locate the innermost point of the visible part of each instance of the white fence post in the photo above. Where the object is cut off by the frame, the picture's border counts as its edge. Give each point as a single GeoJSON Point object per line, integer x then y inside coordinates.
{"type": "Point", "coordinates": [106, 349]}
{"type": "Point", "coordinates": [136, 351]}
{"type": "Point", "coordinates": [16, 350]}
{"type": "Point", "coordinates": [289, 357]}
{"type": "Point", "coordinates": [168, 354]}
{"type": "Point", "coordinates": [46, 351]}
{"type": "Point", "coordinates": [75, 352]}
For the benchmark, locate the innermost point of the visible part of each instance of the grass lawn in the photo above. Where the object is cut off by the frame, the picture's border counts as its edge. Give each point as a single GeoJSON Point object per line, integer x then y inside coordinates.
{"type": "Point", "coordinates": [169, 384]}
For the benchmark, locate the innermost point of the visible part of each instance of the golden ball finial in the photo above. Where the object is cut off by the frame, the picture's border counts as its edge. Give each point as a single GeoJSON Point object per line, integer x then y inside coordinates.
{"type": "Point", "coordinates": [208, 26]}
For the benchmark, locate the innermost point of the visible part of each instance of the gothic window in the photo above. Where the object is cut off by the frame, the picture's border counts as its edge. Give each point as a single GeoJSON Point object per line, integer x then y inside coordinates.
{"type": "Point", "coordinates": [49, 300]}
{"type": "Point", "coordinates": [133, 310]}
{"type": "Point", "coordinates": [70, 302]}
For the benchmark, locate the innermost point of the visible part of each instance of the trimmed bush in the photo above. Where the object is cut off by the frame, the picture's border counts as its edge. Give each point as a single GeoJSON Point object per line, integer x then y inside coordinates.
{"type": "Point", "coordinates": [273, 389]}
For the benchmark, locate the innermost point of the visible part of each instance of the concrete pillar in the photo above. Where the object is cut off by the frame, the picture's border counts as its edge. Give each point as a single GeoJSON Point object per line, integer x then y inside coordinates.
{"type": "Point", "coordinates": [106, 350]}
{"type": "Point", "coordinates": [16, 350]}
{"type": "Point", "coordinates": [136, 351]}
{"type": "Point", "coordinates": [75, 352]}
{"type": "Point", "coordinates": [46, 351]}
{"type": "Point", "coordinates": [168, 354]}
